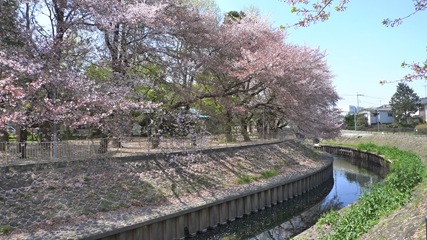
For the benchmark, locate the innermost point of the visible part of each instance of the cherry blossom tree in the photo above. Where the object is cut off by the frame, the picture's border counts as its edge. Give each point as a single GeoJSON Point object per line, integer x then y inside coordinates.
{"type": "Point", "coordinates": [155, 49]}
{"type": "Point", "coordinates": [247, 58]}
{"type": "Point", "coordinates": [255, 71]}
{"type": "Point", "coordinates": [9, 39]}
{"type": "Point", "coordinates": [98, 65]}
{"type": "Point", "coordinates": [302, 95]}
{"type": "Point", "coordinates": [127, 29]}
{"type": "Point", "coordinates": [316, 10]}
{"type": "Point", "coordinates": [320, 10]}
{"type": "Point", "coordinates": [243, 58]}
{"type": "Point", "coordinates": [47, 74]}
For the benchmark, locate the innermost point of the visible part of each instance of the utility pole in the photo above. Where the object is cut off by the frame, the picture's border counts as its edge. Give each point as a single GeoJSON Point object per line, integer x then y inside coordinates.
{"type": "Point", "coordinates": [425, 90]}
{"type": "Point", "coordinates": [357, 111]}
{"type": "Point", "coordinates": [379, 118]}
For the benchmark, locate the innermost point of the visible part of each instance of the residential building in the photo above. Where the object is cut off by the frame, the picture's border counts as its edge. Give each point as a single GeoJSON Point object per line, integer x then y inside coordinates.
{"type": "Point", "coordinates": [379, 115]}
{"type": "Point", "coordinates": [423, 109]}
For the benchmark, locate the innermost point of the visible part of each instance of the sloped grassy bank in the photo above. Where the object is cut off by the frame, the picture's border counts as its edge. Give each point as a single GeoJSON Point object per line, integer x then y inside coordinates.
{"type": "Point", "coordinates": [407, 171]}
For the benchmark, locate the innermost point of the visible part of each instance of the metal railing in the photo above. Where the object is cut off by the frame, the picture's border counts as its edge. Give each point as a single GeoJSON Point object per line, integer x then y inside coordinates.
{"type": "Point", "coordinates": [15, 153]}
{"type": "Point", "coordinates": [18, 152]}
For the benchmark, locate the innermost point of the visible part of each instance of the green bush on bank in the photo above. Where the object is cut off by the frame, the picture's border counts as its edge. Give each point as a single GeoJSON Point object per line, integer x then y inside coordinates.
{"type": "Point", "coordinates": [421, 129]}
{"type": "Point", "coordinates": [4, 229]}
{"type": "Point", "coordinates": [269, 173]}
{"type": "Point", "coordinates": [263, 175]}
{"type": "Point", "coordinates": [407, 171]}
{"type": "Point", "coordinates": [246, 179]}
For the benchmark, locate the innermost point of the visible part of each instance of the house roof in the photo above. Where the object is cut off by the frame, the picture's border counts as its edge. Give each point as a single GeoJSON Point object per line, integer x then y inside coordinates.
{"type": "Point", "coordinates": [382, 108]}
{"type": "Point", "coordinates": [423, 101]}
{"type": "Point", "coordinates": [385, 107]}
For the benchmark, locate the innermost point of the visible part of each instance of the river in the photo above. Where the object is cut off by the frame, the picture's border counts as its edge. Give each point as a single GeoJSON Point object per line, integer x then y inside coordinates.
{"type": "Point", "coordinates": [290, 218]}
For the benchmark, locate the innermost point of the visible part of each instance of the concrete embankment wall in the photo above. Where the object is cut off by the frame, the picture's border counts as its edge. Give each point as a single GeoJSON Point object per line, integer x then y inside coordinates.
{"type": "Point", "coordinates": [364, 159]}
{"type": "Point", "coordinates": [190, 221]}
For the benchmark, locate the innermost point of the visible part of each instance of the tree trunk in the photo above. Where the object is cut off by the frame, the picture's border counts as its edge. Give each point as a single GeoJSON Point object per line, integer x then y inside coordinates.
{"type": "Point", "coordinates": [262, 129]}
{"type": "Point", "coordinates": [4, 139]}
{"type": "Point", "coordinates": [228, 133]}
{"type": "Point", "coordinates": [244, 130]}
{"type": "Point", "coordinates": [155, 140]}
{"type": "Point", "coordinates": [193, 136]}
{"type": "Point", "coordinates": [274, 133]}
{"type": "Point", "coordinates": [103, 145]}
{"type": "Point", "coordinates": [21, 139]}
{"type": "Point", "coordinates": [116, 143]}
{"type": "Point", "coordinates": [45, 132]}
{"type": "Point", "coordinates": [228, 130]}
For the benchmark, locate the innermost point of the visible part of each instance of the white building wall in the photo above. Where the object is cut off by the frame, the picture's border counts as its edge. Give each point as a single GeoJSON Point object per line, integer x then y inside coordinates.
{"type": "Point", "coordinates": [423, 114]}
{"type": "Point", "coordinates": [383, 118]}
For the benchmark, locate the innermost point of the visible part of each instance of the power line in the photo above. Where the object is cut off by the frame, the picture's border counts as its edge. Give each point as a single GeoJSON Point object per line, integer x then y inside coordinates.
{"type": "Point", "coordinates": [368, 103]}
{"type": "Point", "coordinates": [375, 97]}
{"type": "Point", "coordinates": [353, 95]}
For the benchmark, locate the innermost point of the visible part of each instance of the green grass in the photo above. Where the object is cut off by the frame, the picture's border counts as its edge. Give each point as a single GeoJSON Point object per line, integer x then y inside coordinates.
{"type": "Point", "coordinates": [4, 229]}
{"type": "Point", "coordinates": [269, 173]}
{"type": "Point", "coordinates": [252, 178]}
{"type": "Point", "coordinates": [329, 219]}
{"type": "Point", "coordinates": [407, 171]}
{"type": "Point", "coordinates": [228, 238]}
{"type": "Point", "coordinates": [105, 206]}
{"type": "Point", "coordinates": [246, 179]}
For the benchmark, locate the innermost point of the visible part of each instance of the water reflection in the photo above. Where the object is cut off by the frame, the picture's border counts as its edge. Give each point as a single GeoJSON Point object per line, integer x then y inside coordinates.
{"type": "Point", "coordinates": [285, 220]}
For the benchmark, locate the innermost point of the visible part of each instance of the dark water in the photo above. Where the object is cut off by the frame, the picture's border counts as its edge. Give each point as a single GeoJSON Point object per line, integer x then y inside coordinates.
{"type": "Point", "coordinates": [290, 218]}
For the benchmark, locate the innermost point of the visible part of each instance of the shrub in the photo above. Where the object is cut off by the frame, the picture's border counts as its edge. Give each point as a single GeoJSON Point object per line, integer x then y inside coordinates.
{"type": "Point", "coordinates": [421, 129]}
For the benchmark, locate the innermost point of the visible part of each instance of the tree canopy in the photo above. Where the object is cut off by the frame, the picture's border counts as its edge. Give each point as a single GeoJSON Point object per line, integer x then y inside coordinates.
{"type": "Point", "coordinates": [404, 102]}
{"type": "Point", "coordinates": [85, 64]}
